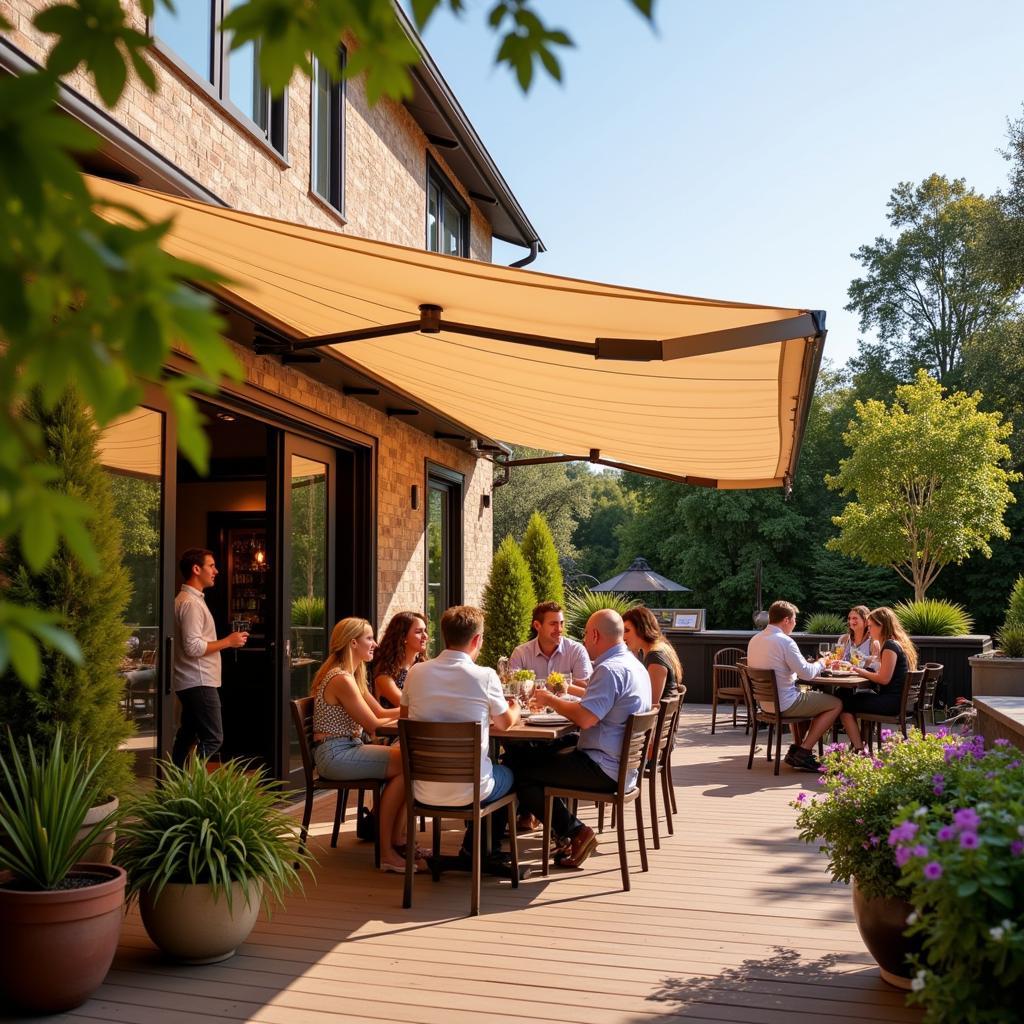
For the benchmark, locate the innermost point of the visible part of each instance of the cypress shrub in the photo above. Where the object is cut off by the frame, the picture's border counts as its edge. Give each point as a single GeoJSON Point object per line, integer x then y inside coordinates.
{"type": "Point", "coordinates": [542, 559]}
{"type": "Point", "coordinates": [508, 603]}
{"type": "Point", "coordinates": [1015, 609]}
{"type": "Point", "coordinates": [85, 699]}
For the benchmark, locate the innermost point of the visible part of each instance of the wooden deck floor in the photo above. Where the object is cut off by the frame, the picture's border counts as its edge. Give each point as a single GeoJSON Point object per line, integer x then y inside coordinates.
{"type": "Point", "coordinates": [736, 921]}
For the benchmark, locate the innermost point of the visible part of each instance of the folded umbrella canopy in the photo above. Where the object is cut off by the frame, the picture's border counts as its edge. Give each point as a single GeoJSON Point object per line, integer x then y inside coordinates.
{"type": "Point", "coordinates": [698, 390]}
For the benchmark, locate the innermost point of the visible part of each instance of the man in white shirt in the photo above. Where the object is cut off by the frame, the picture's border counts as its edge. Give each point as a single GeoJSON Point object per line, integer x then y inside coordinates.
{"type": "Point", "coordinates": [453, 688]}
{"type": "Point", "coordinates": [196, 665]}
{"type": "Point", "coordinates": [550, 650]}
{"type": "Point", "coordinates": [773, 648]}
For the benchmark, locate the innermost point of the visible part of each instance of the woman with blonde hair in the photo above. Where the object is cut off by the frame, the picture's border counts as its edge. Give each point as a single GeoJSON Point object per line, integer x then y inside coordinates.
{"type": "Point", "coordinates": [898, 657]}
{"type": "Point", "coordinates": [643, 636]}
{"type": "Point", "coordinates": [403, 645]}
{"type": "Point", "coordinates": [343, 710]}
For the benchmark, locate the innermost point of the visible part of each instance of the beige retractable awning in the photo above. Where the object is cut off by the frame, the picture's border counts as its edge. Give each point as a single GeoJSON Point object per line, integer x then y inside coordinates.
{"type": "Point", "coordinates": [692, 389]}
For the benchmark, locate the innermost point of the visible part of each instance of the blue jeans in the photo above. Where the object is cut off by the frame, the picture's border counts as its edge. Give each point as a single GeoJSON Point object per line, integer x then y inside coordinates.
{"type": "Point", "coordinates": [503, 782]}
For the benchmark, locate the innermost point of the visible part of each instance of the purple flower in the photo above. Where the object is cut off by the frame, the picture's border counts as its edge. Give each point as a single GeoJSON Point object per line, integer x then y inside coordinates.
{"type": "Point", "coordinates": [938, 779]}
{"type": "Point", "coordinates": [966, 818]}
{"type": "Point", "coordinates": [1014, 764]}
{"type": "Point", "coordinates": [920, 850]}
{"type": "Point", "coordinates": [902, 833]}
{"type": "Point", "coordinates": [932, 870]}
{"type": "Point", "coordinates": [938, 790]}
{"type": "Point", "coordinates": [1001, 743]}
{"type": "Point", "coordinates": [946, 833]}
{"type": "Point", "coordinates": [902, 856]}
{"type": "Point", "coordinates": [968, 840]}
{"type": "Point", "coordinates": [874, 840]}
{"type": "Point", "coordinates": [875, 763]}
{"type": "Point", "coordinates": [1016, 848]}
{"type": "Point", "coordinates": [801, 797]}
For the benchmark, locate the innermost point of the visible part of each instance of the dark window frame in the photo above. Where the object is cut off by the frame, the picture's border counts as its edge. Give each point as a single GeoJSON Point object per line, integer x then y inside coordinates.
{"type": "Point", "coordinates": [217, 87]}
{"type": "Point", "coordinates": [453, 483]}
{"type": "Point", "coordinates": [335, 198]}
{"type": "Point", "coordinates": [437, 179]}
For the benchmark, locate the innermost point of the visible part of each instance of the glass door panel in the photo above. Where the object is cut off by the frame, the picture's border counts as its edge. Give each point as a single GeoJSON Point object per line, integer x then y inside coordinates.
{"type": "Point", "coordinates": [438, 590]}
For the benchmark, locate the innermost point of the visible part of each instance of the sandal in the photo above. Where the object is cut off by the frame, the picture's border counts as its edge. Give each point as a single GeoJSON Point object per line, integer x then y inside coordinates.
{"type": "Point", "coordinates": [401, 848]}
{"type": "Point", "coordinates": [419, 867]}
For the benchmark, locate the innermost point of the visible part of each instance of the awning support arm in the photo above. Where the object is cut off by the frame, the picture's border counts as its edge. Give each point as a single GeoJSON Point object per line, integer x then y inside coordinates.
{"type": "Point", "coordinates": [595, 458]}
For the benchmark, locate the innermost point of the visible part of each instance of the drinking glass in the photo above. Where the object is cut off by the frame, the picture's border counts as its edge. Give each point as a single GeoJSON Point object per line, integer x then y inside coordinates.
{"type": "Point", "coordinates": [526, 688]}
{"type": "Point", "coordinates": [824, 650]}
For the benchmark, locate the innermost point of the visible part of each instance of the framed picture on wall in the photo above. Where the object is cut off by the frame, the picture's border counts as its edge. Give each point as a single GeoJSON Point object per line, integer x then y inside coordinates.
{"type": "Point", "coordinates": [690, 619]}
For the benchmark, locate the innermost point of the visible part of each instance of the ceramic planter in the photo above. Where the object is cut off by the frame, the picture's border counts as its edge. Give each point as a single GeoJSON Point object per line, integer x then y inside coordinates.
{"type": "Point", "coordinates": [189, 925]}
{"type": "Point", "coordinates": [101, 851]}
{"type": "Point", "coordinates": [993, 675]}
{"type": "Point", "coordinates": [56, 947]}
{"type": "Point", "coordinates": [881, 922]}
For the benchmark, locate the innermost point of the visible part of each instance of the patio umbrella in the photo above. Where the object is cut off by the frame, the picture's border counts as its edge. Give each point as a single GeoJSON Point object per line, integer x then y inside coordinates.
{"type": "Point", "coordinates": [639, 578]}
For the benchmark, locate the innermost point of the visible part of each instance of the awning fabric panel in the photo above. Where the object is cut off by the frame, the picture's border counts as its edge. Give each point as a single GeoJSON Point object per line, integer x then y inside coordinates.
{"type": "Point", "coordinates": [728, 416]}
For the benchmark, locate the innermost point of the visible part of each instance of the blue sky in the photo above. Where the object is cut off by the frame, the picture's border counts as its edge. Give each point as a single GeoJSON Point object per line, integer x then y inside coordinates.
{"type": "Point", "coordinates": [743, 150]}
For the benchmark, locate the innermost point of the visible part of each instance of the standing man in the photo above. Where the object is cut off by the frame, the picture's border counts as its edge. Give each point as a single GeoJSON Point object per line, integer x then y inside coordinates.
{"type": "Point", "coordinates": [453, 688]}
{"type": "Point", "coordinates": [773, 648]}
{"type": "Point", "coordinates": [619, 687]}
{"type": "Point", "coordinates": [550, 650]}
{"type": "Point", "coordinates": [196, 667]}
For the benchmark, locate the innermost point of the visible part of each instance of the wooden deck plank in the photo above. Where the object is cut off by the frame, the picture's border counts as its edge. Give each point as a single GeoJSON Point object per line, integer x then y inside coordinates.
{"type": "Point", "coordinates": [735, 923]}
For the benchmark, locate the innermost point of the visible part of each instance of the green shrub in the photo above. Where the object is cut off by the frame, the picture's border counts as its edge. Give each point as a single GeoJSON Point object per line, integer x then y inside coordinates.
{"type": "Point", "coordinates": [542, 559]}
{"type": "Point", "coordinates": [581, 604]}
{"type": "Point", "coordinates": [1011, 641]}
{"type": "Point", "coordinates": [1015, 609]}
{"type": "Point", "coordinates": [508, 603]}
{"type": "Point", "coordinates": [934, 618]}
{"type": "Point", "coordinates": [307, 611]}
{"type": "Point", "coordinates": [824, 622]}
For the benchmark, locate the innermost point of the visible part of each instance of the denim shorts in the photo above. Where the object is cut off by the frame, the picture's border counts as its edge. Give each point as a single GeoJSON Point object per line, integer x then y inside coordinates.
{"type": "Point", "coordinates": [347, 757]}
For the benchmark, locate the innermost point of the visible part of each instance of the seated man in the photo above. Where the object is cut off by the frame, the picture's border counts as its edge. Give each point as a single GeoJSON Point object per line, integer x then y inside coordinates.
{"type": "Point", "coordinates": [773, 648]}
{"type": "Point", "coordinates": [550, 651]}
{"type": "Point", "coordinates": [619, 687]}
{"type": "Point", "coordinates": [452, 688]}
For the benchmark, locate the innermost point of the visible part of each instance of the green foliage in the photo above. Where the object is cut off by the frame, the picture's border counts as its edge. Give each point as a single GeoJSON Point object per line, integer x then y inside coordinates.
{"type": "Point", "coordinates": [934, 618]}
{"type": "Point", "coordinates": [964, 867]}
{"type": "Point", "coordinates": [824, 622]}
{"type": "Point", "coordinates": [44, 798]}
{"type": "Point", "coordinates": [83, 695]}
{"type": "Point", "coordinates": [840, 582]}
{"type": "Point", "coordinates": [852, 819]}
{"type": "Point", "coordinates": [581, 604]}
{"type": "Point", "coordinates": [928, 482]}
{"type": "Point", "coordinates": [596, 536]}
{"type": "Point", "coordinates": [1015, 609]}
{"type": "Point", "coordinates": [508, 603]}
{"type": "Point", "coordinates": [1010, 641]}
{"type": "Point", "coordinates": [538, 549]}
{"type": "Point", "coordinates": [307, 611]}
{"type": "Point", "coordinates": [214, 827]}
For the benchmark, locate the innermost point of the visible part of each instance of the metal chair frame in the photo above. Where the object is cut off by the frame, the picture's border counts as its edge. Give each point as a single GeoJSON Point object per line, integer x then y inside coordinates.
{"type": "Point", "coordinates": [909, 696]}
{"type": "Point", "coordinates": [727, 684]}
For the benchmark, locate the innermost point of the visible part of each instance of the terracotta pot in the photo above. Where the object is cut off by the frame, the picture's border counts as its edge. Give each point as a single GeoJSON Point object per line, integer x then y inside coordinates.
{"type": "Point", "coordinates": [102, 851]}
{"type": "Point", "coordinates": [881, 922]}
{"type": "Point", "coordinates": [189, 925]}
{"type": "Point", "coordinates": [56, 947]}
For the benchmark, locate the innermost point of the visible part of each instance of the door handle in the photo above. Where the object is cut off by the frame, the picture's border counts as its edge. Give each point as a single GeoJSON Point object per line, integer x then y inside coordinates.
{"type": "Point", "coordinates": [168, 662]}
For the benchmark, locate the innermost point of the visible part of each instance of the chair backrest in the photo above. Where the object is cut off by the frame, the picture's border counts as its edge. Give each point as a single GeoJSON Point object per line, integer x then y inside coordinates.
{"type": "Point", "coordinates": [441, 752]}
{"type": "Point", "coordinates": [932, 678]}
{"type": "Point", "coordinates": [635, 742]}
{"type": "Point", "coordinates": [729, 655]}
{"type": "Point", "coordinates": [762, 687]}
{"type": "Point", "coordinates": [911, 691]}
{"type": "Point", "coordinates": [668, 709]}
{"type": "Point", "coordinates": [726, 676]}
{"type": "Point", "coordinates": [302, 718]}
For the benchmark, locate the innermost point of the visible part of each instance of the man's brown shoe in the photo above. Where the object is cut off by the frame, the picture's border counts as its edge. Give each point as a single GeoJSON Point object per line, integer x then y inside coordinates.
{"type": "Point", "coordinates": [581, 846]}
{"type": "Point", "coordinates": [527, 822]}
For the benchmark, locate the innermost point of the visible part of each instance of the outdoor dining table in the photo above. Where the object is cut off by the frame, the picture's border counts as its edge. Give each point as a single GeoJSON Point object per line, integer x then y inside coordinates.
{"type": "Point", "coordinates": [839, 681]}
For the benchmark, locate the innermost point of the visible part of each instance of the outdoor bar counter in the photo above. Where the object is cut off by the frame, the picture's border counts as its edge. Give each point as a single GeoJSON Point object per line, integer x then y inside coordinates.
{"type": "Point", "coordinates": [697, 652]}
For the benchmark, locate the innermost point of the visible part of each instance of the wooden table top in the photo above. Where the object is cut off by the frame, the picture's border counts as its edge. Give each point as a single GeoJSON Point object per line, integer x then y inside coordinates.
{"type": "Point", "coordinates": [521, 733]}
{"type": "Point", "coordinates": [848, 679]}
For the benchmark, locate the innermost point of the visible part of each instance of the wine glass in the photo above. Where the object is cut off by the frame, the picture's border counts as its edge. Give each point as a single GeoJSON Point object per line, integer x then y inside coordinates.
{"type": "Point", "coordinates": [526, 688]}
{"type": "Point", "coordinates": [824, 650]}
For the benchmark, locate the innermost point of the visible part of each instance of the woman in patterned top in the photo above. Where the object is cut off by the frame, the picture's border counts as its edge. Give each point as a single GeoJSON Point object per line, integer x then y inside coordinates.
{"type": "Point", "coordinates": [403, 644]}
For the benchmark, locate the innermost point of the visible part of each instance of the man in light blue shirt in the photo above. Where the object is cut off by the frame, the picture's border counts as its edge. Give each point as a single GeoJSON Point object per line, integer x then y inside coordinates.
{"type": "Point", "coordinates": [619, 687]}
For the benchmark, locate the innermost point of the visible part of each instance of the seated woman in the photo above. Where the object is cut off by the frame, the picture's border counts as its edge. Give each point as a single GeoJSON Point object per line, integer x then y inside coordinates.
{"type": "Point", "coordinates": [857, 640]}
{"type": "Point", "coordinates": [898, 656]}
{"type": "Point", "coordinates": [643, 636]}
{"type": "Point", "coordinates": [343, 709]}
{"type": "Point", "coordinates": [403, 644]}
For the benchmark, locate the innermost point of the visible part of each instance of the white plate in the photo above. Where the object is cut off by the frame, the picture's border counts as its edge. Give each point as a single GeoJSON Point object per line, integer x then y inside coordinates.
{"type": "Point", "coordinates": [543, 718]}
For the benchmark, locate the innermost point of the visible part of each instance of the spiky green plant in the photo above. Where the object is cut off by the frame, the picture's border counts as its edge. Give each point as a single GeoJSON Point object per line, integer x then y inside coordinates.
{"type": "Point", "coordinates": [933, 618]}
{"type": "Point", "coordinates": [542, 559]}
{"type": "Point", "coordinates": [581, 604]}
{"type": "Point", "coordinates": [508, 603]}
{"type": "Point", "coordinates": [214, 827]}
{"type": "Point", "coordinates": [307, 611]}
{"type": "Point", "coordinates": [1011, 641]}
{"type": "Point", "coordinates": [1015, 609]}
{"type": "Point", "coordinates": [44, 798]}
{"type": "Point", "coordinates": [824, 622]}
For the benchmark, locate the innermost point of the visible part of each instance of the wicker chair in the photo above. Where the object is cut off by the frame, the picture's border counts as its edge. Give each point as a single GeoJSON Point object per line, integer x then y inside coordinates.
{"type": "Point", "coordinates": [929, 690]}
{"type": "Point", "coordinates": [763, 689]}
{"type": "Point", "coordinates": [727, 684]}
{"type": "Point", "coordinates": [909, 696]}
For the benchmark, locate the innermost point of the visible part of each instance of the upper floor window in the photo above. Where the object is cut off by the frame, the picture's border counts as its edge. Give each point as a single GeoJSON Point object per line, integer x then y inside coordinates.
{"type": "Point", "coordinates": [447, 216]}
{"type": "Point", "coordinates": [192, 33]}
{"type": "Point", "coordinates": [327, 155]}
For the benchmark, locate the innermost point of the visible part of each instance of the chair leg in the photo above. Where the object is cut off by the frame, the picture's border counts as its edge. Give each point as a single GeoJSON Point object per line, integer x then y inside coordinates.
{"type": "Point", "coordinates": [513, 843]}
{"type": "Point", "coordinates": [474, 887]}
{"type": "Point", "coordinates": [753, 744]}
{"type": "Point", "coordinates": [623, 862]}
{"type": "Point", "coordinates": [343, 796]}
{"type": "Point", "coordinates": [614, 814]}
{"type": "Point", "coordinates": [546, 836]}
{"type": "Point", "coordinates": [654, 807]}
{"type": "Point", "coordinates": [640, 830]}
{"type": "Point", "coordinates": [339, 810]}
{"type": "Point", "coordinates": [771, 735]}
{"type": "Point", "coordinates": [376, 830]}
{"type": "Point", "coordinates": [714, 710]}
{"type": "Point", "coordinates": [778, 749]}
{"type": "Point", "coordinates": [735, 708]}
{"type": "Point", "coordinates": [410, 853]}
{"type": "Point", "coordinates": [666, 799]}
{"type": "Point", "coordinates": [436, 843]}
{"type": "Point", "coordinates": [307, 814]}
{"type": "Point", "coordinates": [666, 774]}
{"type": "Point", "coordinates": [600, 818]}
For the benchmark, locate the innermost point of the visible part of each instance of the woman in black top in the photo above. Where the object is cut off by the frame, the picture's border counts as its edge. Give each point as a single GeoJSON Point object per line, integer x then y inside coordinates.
{"type": "Point", "coordinates": [898, 656]}
{"type": "Point", "coordinates": [643, 636]}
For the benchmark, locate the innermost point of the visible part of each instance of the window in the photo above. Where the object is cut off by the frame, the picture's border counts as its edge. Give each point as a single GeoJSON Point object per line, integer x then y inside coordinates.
{"type": "Point", "coordinates": [447, 216]}
{"type": "Point", "coordinates": [191, 33]}
{"type": "Point", "coordinates": [443, 547]}
{"type": "Point", "coordinates": [327, 154]}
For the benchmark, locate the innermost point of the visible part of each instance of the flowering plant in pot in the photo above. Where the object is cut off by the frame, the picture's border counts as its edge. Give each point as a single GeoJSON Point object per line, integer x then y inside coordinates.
{"type": "Point", "coordinates": [962, 861]}
{"type": "Point", "coordinates": [55, 910]}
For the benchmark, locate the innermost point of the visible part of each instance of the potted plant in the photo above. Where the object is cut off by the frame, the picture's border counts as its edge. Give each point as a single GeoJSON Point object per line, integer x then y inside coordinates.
{"type": "Point", "coordinates": [963, 865]}
{"type": "Point", "coordinates": [853, 820]}
{"type": "Point", "coordinates": [1000, 673]}
{"type": "Point", "coordinates": [203, 853]}
{"type": "Point", "coordinates": [60, 918]}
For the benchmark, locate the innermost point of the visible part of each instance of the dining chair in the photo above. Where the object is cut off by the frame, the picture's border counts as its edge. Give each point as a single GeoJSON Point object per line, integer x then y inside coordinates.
{"type": "Point", "coordinates": [727, 684]}
{"type": "Point", "coordinates": [929, 691]}
{"type": "Point", "coordinates": [654, 766]}
{"type": "Point", "coordinates": [909, 696]}
{"type": "Point", "coordinates": [450, 752]}
{"type": "Point", "coordinates": [636, 740]}
{"type": "Point", "coordinates": [763, 690]}
{"type": "Point", "coordinates": [302, 717]}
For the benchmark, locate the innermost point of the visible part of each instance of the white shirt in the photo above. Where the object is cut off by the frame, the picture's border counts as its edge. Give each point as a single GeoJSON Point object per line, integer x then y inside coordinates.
{"type": "Point", "coordinates": [193, 666]}
{"type": "Point", "coordinates": [568, 656]}
{"type": "Point", "coordinates": [453, 688]}
{"type": "Point", "coordinates": [775, 649]}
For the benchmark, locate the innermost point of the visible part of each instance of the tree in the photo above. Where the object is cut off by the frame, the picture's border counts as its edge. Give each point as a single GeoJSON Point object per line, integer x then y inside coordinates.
{"type": "Point", "coordinates": [542, 560]}
{"type": "Point", "coordinates": [596, 537]}
{"type": "Point", "coordinates": [88, 300]}
{"type": "Point", "coordinates": [928, 479]}
{"type": "Point", "coordinates": [84, 697]}
{"type": "Point", "coordinates": [508, 603]}
{"type": "Point", "coordinates": [930, 290]}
